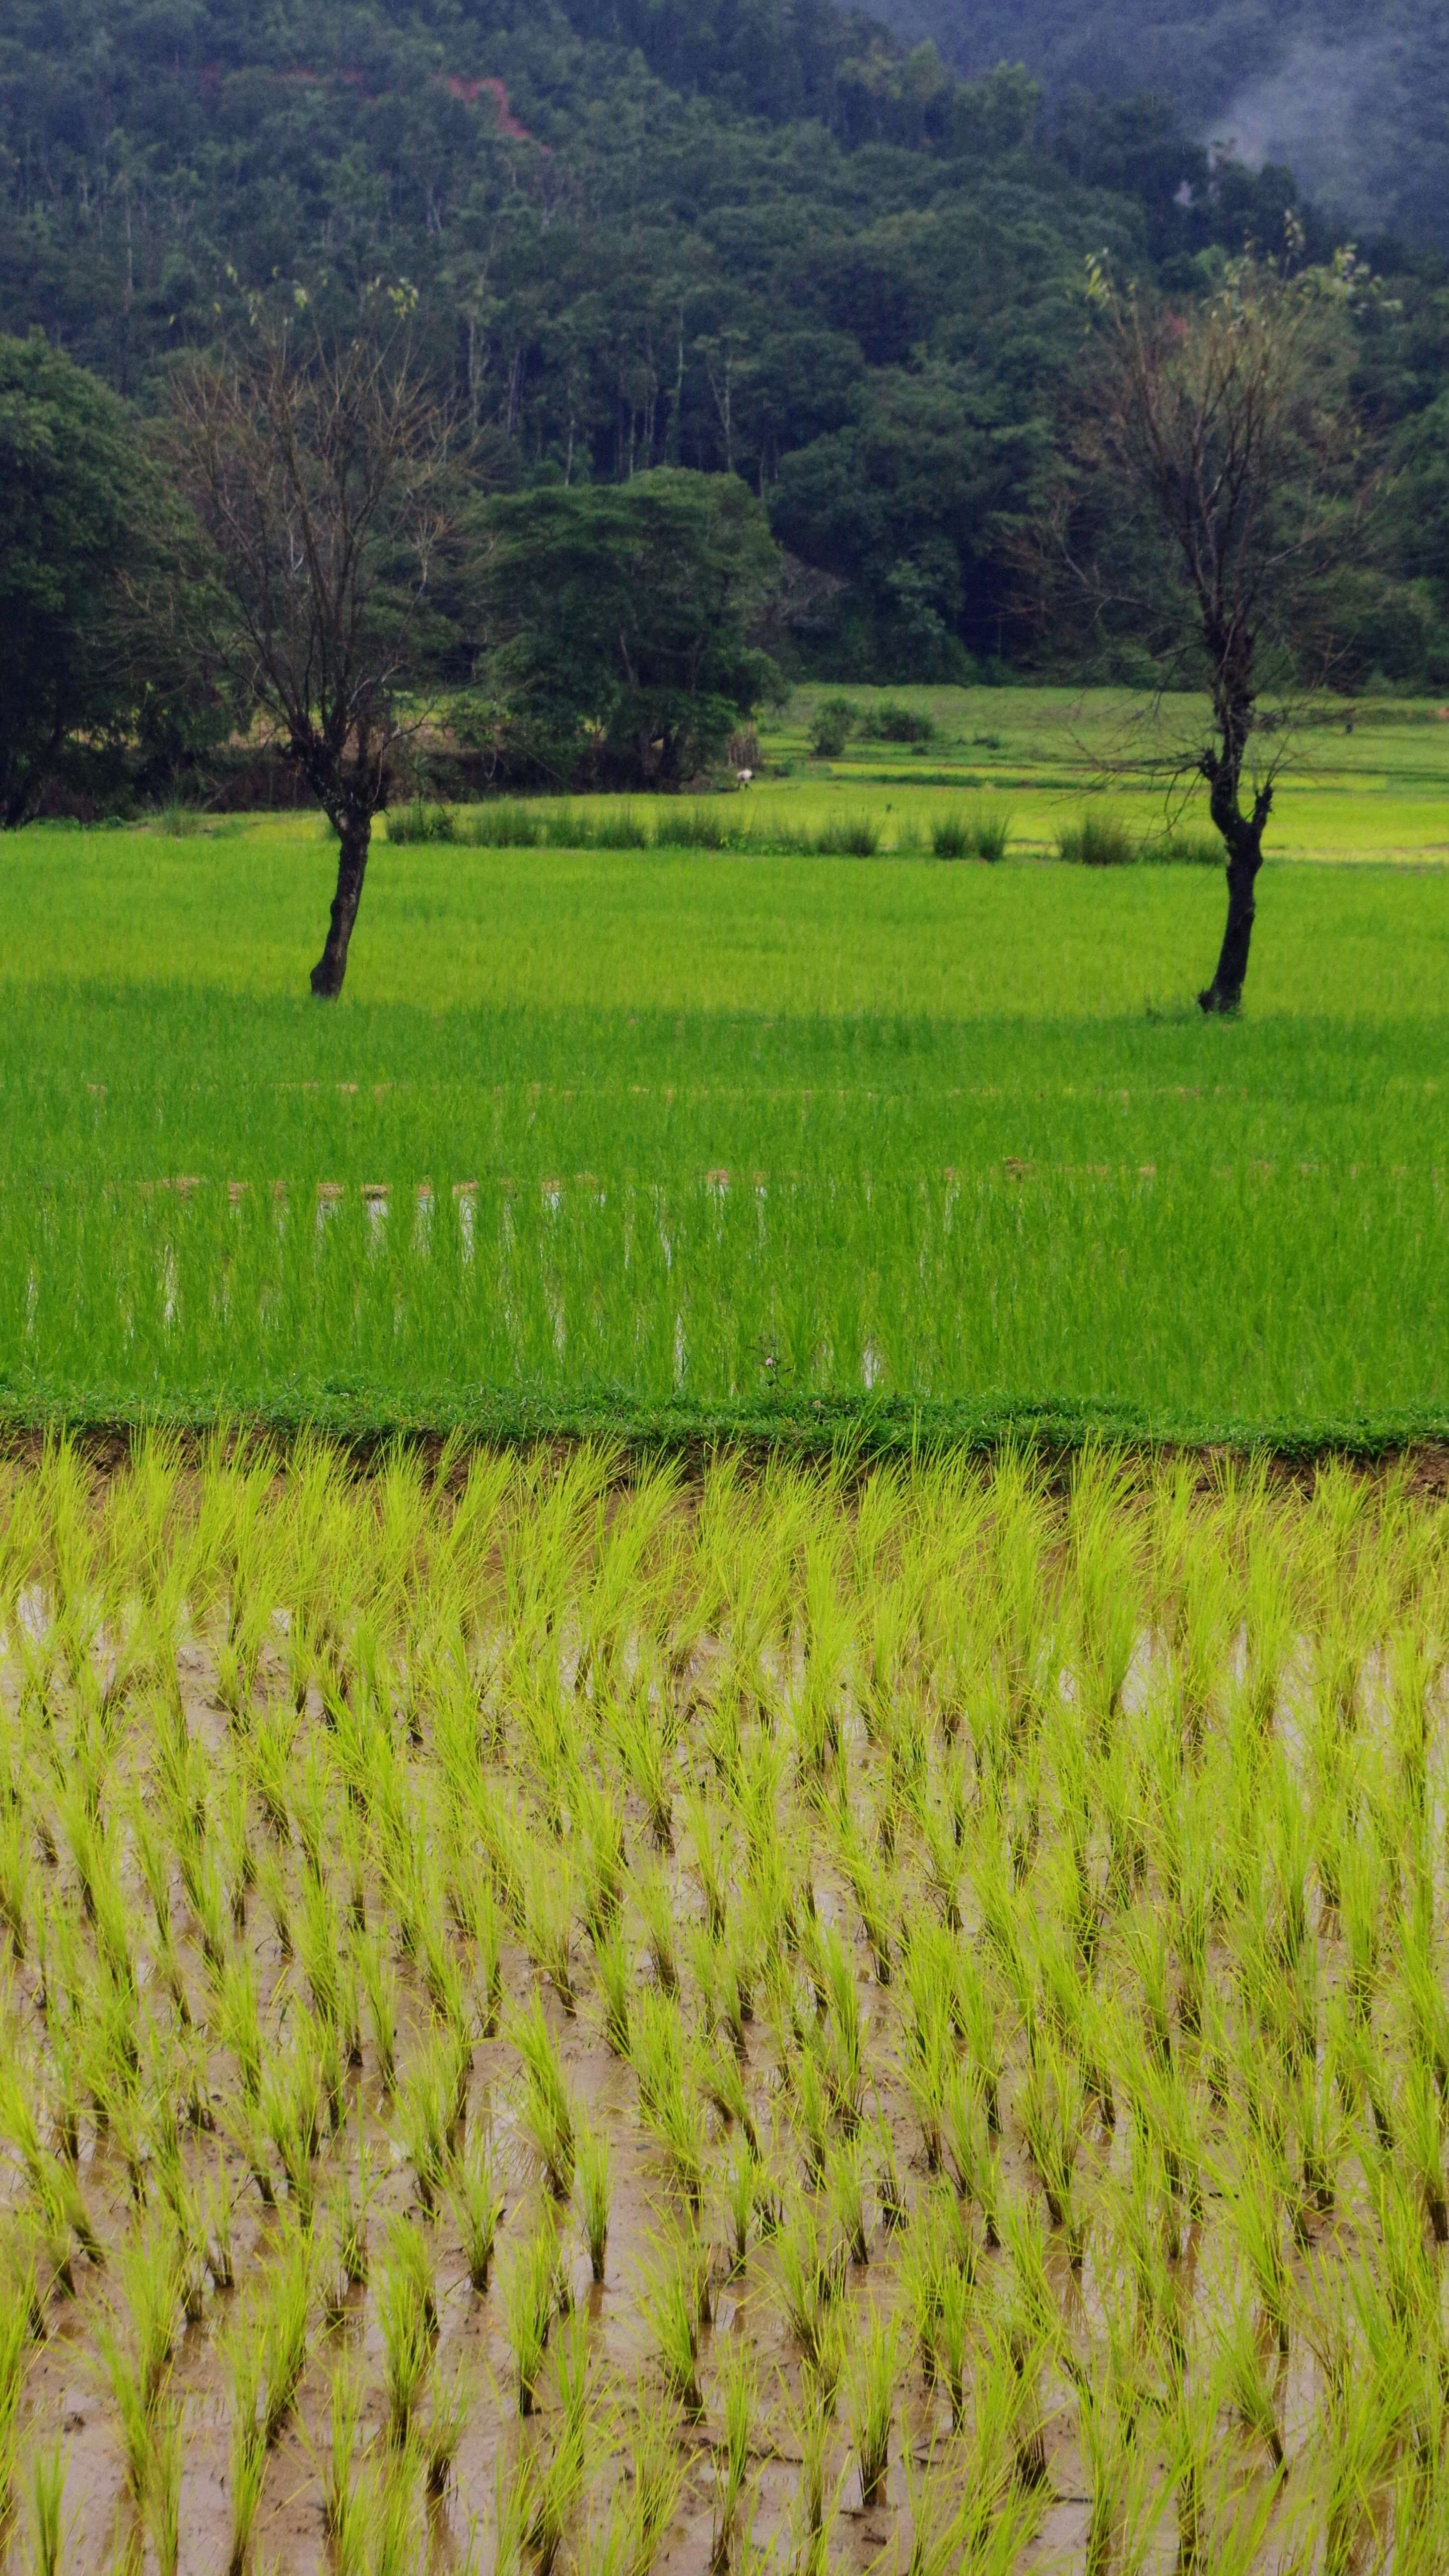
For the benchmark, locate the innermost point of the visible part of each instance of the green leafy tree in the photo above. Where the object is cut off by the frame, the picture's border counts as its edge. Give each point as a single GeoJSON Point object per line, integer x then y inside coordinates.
{"type": "Point", "coordinates": [622, 617]}
{"type": "Point", "coordinates": [83, 518]}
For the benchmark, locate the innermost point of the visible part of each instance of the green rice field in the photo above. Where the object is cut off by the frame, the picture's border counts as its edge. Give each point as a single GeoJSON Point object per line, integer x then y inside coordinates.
{"type": "Point", "coordinates": [1362, 780]}
{"type": "Point", "coordinates": [707, 1136]}
{"type": "Point", "coordinates": [558, 2017]}
{"type": "Point", "coordinates": [689, 1973]}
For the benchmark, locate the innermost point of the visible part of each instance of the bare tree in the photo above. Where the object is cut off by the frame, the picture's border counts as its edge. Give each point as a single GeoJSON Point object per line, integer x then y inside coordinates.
{"type": "Point", "coordinates": [319, 475]}
{"type": "Point", "coordinates": [1214, 486]}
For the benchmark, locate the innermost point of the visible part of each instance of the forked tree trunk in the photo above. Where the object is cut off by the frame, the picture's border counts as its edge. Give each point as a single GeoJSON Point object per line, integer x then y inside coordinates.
{"type": "Point", "coordinates": [331, 966]}
{"type": "Point", "coordinates": [1242, 836]}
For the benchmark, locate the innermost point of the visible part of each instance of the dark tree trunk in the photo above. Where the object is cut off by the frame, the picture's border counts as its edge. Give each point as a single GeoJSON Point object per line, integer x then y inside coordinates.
{"type": "Point", "coordinates": [1225, 993]}
{"type": "Point", "coordinates": [22, 781]}
{"type": "Point", "coordinates": [331, 966]}
{"type": "Point", "coordinates": [1242, 836]}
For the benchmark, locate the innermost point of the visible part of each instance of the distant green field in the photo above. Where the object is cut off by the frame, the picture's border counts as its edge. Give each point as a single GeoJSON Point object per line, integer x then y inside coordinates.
{"type": "Point", "coordinates": [648, 1136]}
{"type": "Point", "coordinates": [1363, 780]}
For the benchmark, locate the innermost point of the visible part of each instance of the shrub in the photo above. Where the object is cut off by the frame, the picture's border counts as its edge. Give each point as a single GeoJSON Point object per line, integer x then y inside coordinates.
{"type": "Point", "coordinates": [831, 727]}
{"type": "Point", "coordinates": [420, 822]}
{"type": "Point", "coordinates": [891, 722]}
{"type": "Point", "coordinates": [1097, 841]}
{"type": "Point", "coordinates": [951, 836]}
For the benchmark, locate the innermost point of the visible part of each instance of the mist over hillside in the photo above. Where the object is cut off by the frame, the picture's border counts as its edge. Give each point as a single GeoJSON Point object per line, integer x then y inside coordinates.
{"type": "Point", "coordinates": [1355, 99]}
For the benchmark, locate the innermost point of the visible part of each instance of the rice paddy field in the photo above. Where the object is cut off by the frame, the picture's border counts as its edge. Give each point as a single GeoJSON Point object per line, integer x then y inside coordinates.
{"type": "Point", "coordinates": [689, 1138]}
{"type": "Point", "coordinates": [567, 2014]}
{"type": "Point", "coordinates": [722, 1804]}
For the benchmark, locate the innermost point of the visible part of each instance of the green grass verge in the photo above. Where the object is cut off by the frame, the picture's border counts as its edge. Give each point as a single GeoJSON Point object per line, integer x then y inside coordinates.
{"type": "Point", "coordinates": [863, 1428]}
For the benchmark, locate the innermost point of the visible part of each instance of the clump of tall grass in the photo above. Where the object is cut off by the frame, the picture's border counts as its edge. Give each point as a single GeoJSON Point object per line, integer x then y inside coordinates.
{"type": "Point", "coordinates": [671, 2302]}
{"type": "Point", "coordinates": [19, 2322]}
{"type": "Point", "coordinates": [503, 826]}
{"type": "Point", "coordinates": [47, 2510]}
{"type": "Point", "coordinates": [448, 2412]}
{"type": "Point", "coordinates": [196, 823]}
{"type": "Point", "coordinates": [874, 2379]}
{"type": "Point", "coordinates": [477, 2200]}
{"type": "Point", "coordinates": [738, 2392]}
{"type": "Point", "coordinates": [559, 2483]}
{"type": "Point", "coordinates": [244, 2361]}
{"type": "Point", "coordinates": [964, 835]}
{"type": "Point", "coordinates": [720, 825]}
{"type": "Point", "coordinates": [621, 827]}
{"type": "Point", "coordinates": [1181, 847]}
{"type": "Point", "coordinates": [593, 2189]}
{"type": "Point", "coordinates": [530, 2286]}
{"type": "Point", "coordinates": [1097, 841]}
{"type": "Point", "coordinates": [848, 836]}
{"type": "Point", "coordinates": [549, 2111]}
{"type": "Point", "coordinates": [678, 826]}
{"type": "Point", "coordinates": [407, 2311]}
{"type": "Point", "coordinates": [420, 821]}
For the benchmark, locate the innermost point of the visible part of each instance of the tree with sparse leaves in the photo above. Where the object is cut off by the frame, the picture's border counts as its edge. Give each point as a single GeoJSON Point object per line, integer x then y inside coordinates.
{"type": "Point", "coordinates": [1214, 480]}
{"type": "Point", "coordinates": [320, 474]}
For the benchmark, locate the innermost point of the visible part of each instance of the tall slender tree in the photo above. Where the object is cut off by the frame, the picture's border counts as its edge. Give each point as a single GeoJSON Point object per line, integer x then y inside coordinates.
{"type": "Point", "coordinates": [1215, 477]}
{"type": "Point", "coordinates": [320, 474]}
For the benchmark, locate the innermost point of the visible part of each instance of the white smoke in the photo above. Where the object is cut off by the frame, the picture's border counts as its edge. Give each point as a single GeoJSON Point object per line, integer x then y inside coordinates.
{"type": "Point", "coordinates": [1323, 112]}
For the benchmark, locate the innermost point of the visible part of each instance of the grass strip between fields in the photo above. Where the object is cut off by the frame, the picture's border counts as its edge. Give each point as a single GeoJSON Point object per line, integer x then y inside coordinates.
{"type": "Point", "coordinates": [867, 1427]}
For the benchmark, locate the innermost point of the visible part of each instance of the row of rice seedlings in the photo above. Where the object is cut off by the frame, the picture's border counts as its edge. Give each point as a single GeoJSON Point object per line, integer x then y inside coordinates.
{"type": "Point", "coordinates": [989, 1890]}
{"type": "Point", "coordinates": [834, 1252]}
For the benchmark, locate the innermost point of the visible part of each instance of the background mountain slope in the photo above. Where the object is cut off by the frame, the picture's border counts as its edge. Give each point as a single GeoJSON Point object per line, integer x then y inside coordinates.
{"type": "Point", "coordinates": [1355, 98]}
{"type": "Point", "coordinates": [748, 235]}
{"type": "Point", "coordinates": [755, 236]}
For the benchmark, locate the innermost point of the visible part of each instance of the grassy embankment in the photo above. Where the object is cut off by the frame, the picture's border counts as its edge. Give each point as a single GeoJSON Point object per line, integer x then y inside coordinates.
{"type": "Point", "coordinates": [730, 1138]}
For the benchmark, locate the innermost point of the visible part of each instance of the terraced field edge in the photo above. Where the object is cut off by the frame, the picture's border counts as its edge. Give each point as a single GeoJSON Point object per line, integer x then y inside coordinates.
{"type": "Point", "coordinates": [865, 1427]}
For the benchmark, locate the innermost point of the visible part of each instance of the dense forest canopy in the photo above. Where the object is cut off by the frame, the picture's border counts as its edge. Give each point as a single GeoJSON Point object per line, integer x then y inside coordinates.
{"type": "Point", "coordinates": [1356, 98]}
{"type": "Point", "coordinates": [759, 236]}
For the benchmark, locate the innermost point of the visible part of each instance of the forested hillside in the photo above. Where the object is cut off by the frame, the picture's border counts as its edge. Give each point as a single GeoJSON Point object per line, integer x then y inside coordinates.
{"type": "Point", "coordinates": [780, 247]}
{"type": "Point", "coordinates": [768, 238]}
{"type": "Point", "coordinates": [1356, 98]}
